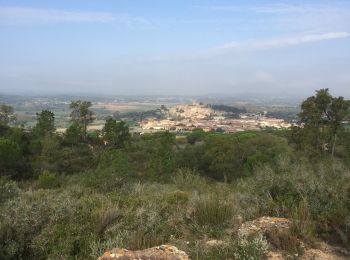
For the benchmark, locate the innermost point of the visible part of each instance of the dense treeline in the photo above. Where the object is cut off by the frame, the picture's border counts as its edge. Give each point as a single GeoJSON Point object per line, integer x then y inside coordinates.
{"type": "Point", "coordinates": [76, 194]}
{"type": "Point", "coordinates": [229, 109]}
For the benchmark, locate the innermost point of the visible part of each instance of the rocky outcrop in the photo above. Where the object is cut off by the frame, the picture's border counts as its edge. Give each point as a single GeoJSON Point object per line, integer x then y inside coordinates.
{"type": "Point", "coordinates": [164, 252]}
{"type": "Point", "coordinates": [265, 225]}
{"type": "Point", "coordinates": [276, 230]}
{"type": "Point", "coordinates": [215, 242]}
{"type": "Point", "coordinates": [323, 253]}
{"type": "Point", "coordinates": [326, 252]}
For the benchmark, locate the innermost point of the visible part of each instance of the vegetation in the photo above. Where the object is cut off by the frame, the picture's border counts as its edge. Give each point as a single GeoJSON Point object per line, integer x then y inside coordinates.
{"type": "Point", "coordinates": [116, 134]}
{"type": "Point", "coordinates": [229, 109]}
{"type": "Point", "coordinates": [45, 123]}
{"type": "Point", "coordinates": [81, 115]}
{"type": "Point", "coordinates": [6, 114]}
{"type": "Point", "coordinates": [73, 196]}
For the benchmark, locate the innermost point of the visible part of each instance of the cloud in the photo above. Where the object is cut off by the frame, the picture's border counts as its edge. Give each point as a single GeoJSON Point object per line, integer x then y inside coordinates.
{"type": "Point", "coordinates": [282, 8]}
{"type": "Point", "coordinates": [285, 17]}
{"type": "Point", "coordinates": [26, 15]}
{"type": "Point", "coordinates": [282, 42]}
{"type": "Point", "coordinates": [246, 46]}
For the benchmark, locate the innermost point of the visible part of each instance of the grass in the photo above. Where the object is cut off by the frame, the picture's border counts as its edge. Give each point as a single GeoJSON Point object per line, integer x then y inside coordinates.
{"type": "Point", "coordinates": [211, 210]}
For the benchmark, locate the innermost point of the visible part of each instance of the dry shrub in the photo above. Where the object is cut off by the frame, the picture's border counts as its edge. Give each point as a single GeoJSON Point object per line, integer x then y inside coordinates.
{"type": "Point", "coordinates": [212, 211]}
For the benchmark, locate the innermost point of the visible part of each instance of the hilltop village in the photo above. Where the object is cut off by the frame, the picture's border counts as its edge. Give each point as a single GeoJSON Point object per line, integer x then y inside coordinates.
{"type": "Point", "coordinates": [183, 118]}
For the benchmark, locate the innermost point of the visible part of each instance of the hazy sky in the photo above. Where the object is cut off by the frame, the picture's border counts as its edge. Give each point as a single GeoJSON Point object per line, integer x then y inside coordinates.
{"type": "Point", "coordinates": [174, 47]}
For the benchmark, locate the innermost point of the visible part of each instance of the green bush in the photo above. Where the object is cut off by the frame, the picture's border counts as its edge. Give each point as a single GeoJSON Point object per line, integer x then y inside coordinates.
{"type": "Point", "coordinates": [114, 160]}
{"type": "Point", "coordinates": [177, 197]}
{"type": "Point", "coordinates": [10, 155]}
{"type": "Point", "coordinates": [48, 180]}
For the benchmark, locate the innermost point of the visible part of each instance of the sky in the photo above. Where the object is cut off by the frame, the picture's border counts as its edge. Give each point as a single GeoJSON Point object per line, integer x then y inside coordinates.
{"type": "Point", "coordinates": [182, 47]}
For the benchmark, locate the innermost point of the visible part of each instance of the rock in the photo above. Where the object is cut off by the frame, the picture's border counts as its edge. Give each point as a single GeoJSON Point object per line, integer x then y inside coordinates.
{"type": "Point", "coordinates": [215, 242]}
{"type": "Point", "coordinates": [163, 252]}
{"type": "Point", "coordinates": [274, 255]}
{"type": "Point", "coordinates": [264, 225]}
{"type": "Point", "coordinates": [325, 251]}
{"type": "Point", "coordinates": [318, 254]}
{"type": "Point", "coordinates": [276, 230]}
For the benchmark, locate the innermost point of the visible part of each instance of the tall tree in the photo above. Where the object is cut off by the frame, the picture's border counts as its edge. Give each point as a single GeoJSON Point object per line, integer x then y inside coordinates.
{"type": "Point", "coordinates": [322, 116]}
{"type": "Point", "coordinates": [116, 133]}
{"type": "Point", "coordinates": [73, 134]}
{"type": "Point", "coordinates": [6, 114]}
{"type": "Point", "coordinates": [45, 123]}
{"type": "Point", "coordinates": [81, 114]}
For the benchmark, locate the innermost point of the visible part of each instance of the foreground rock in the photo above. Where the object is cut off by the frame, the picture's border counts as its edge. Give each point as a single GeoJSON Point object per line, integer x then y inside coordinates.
{"type": "Point", "coordinates": [326, 252]}
{"type": "Point", "coordinates": [164, 252]}
{"type": "Point", "coordinates": [276, 230]}
{"type": "Point", "coordinates": [265, 225]}
{"type": "Point", "coordinates": [278, 233]}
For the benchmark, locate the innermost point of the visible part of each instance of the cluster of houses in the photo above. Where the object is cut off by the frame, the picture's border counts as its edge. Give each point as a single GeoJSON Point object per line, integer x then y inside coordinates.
{"type": "Point", "coordinates": [185, 118]}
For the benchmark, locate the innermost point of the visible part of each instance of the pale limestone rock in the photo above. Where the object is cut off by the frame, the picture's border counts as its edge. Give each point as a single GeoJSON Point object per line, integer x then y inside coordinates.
{"type": "Point", "coordinates": [163, 252]}
{"type": "Point", "coordinates": [215, 242]}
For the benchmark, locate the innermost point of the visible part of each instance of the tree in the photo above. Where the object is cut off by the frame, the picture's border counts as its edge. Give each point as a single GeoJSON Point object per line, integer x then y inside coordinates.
{"type": "Point", "coordinates": [196, 135]}
{"type": "Point", "coordinates": [6, 114]}
{"type": "Point", "coordinates": [81, 114]}
{"type": "Point", "coordinates": [116, 133]}
{"type": "Point", "coordinates": [227, 157]}
{"type": "Point", "coordinates": [73, 134]}
{"type": "Point", "coordinates": [221, 158]}
{"type": "Point", "coordinates": [45, 123]}
{"type": "Point", "coordinates": [322, 116]}
{"type": "Point", "coordinates": [10, 154]}
{"type": "Point", "coordinates": [162, 161]}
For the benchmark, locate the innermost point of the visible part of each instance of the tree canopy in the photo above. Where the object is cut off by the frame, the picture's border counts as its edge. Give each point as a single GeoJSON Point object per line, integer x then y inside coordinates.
{"type": "Point", "coordinates": [81, 114]}
{"type": "Point", "coordinates": [322, 116]}
{"type": "Point", "coordinates": [7, 114]}
{"type": "Point", "coordinates": [45, 123]}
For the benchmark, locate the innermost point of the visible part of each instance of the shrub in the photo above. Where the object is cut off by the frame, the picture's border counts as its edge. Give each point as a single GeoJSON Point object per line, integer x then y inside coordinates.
{"type": "Point", "coordinates": [142, 239]}
{"type": "Point", "coordinates": [250, 248]}
{"type": "Point", "coordinates": [8, 189]}
{"type": "Point", "coordinates": [48, 180]}
{"type": "Point", "coordinates": [10, 155]}
{"type": "Point", "coordinates": [177, 197]}
{"type": "Point", "coordinates": [302, 224]}
{"type": "Point", "coordinates": [111, 170]}
{"type": "Point", "coordinates": [319, 191]}
{"type": "Point", "coordinates": [98, 247]}
{"type": "Point", "coordinates": [188, 179]}
{"type": "Point", "coordinates": [104, 180]}
{"type": "Point", "coordinates": [46, 224]}
{"type": "Point", "coordinates": [243, 248]}
{"type": "Point", "coordinates": [114, 160]}
{"type": "Point", "coordinates": [212, 211]}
